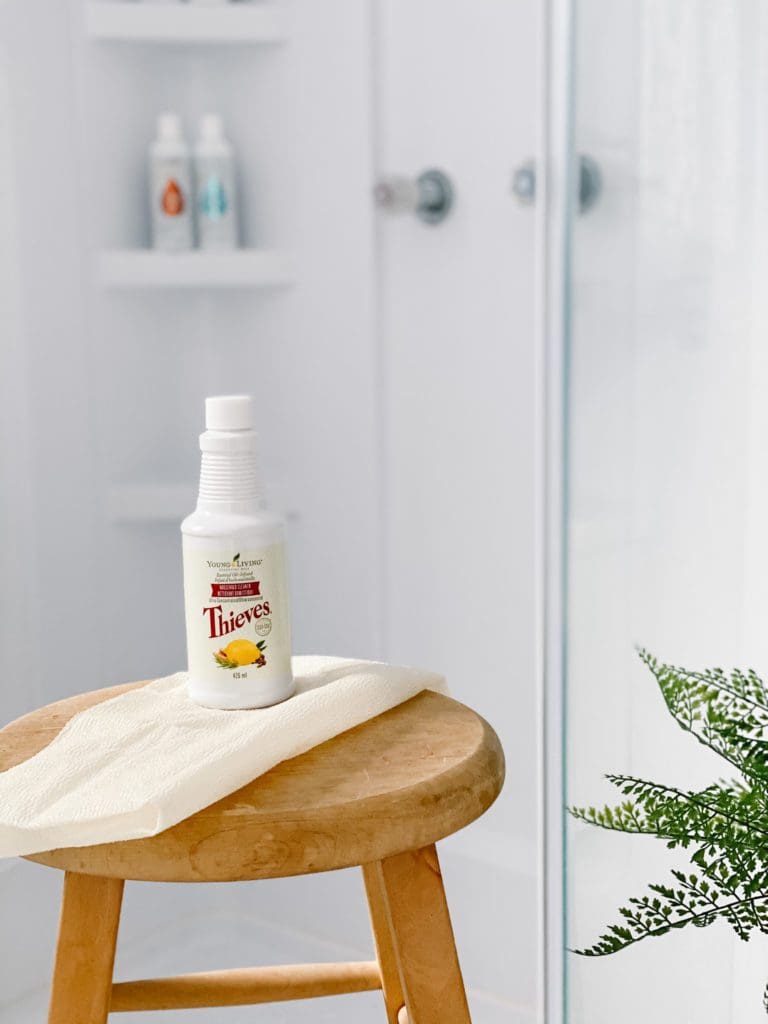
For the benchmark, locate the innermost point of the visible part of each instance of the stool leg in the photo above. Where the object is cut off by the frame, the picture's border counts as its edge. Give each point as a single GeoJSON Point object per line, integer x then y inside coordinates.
{"type": "Point", "coordinates": [85, 953]}
{"type": "Point", "coordinates": [394, 1000]}
{"type": "Point", "coordinates": [422, 939]}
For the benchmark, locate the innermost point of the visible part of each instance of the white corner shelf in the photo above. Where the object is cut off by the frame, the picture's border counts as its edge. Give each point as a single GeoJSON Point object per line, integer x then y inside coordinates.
{"type": "Point", "coordinates": [176, 22]}
{"type": "Point", "coordinates": [165, 503]}
{"type": "Point", "coordinates": [238, 268]}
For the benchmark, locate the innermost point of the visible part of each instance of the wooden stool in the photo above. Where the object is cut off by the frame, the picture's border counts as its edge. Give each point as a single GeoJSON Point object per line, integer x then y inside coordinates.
{"type": "Point", "coordinates": [378, 796]}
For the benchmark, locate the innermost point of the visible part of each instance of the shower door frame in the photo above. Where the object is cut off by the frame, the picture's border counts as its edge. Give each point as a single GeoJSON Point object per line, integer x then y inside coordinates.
{"type": "Point", "coordinates": [555, 193]}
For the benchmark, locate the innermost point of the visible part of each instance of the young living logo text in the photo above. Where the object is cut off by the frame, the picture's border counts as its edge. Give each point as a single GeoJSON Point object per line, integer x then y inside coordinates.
{"type": "Point", "coordinates": [234, 564]}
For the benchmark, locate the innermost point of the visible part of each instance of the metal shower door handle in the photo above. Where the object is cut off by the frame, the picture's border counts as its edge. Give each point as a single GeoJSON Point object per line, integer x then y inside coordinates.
{"type": "Point", "coordinates": [590, 183]}
{"type": "Point", "coordinates": [429, 197]}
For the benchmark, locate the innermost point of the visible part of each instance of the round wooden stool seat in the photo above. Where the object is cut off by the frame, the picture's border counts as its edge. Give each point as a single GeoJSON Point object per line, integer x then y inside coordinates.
{"type": "Point", "coordinates": [399, 782]}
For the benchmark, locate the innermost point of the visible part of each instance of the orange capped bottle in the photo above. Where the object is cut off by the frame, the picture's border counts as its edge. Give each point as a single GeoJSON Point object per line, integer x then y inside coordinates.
{"type": "Point", "coordinates": [170, 187]}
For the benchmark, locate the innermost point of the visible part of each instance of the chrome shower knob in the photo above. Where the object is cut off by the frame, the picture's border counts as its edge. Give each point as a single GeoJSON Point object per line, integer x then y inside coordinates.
{"type": "Point", "coordinates": [524, 183]}
{"type": "Point", "coordinates": [429, 197]}
{"type": "Point", "coordinates": [590, 183]}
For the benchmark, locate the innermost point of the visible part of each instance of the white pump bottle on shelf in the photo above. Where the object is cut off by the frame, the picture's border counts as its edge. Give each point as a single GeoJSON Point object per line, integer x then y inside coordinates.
{"type": "Point", "coordinates": [235, 587]}
{"type": "Point", "coordinates": [170, 186]}
{"type": "Point", "coordinates": [217, 213]}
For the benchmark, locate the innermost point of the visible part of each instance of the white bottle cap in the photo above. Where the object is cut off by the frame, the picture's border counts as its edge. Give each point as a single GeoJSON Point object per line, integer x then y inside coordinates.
{"type": "Point", "coordinates": [169, 127]}
{"type": "Point", "coordinates": [229, 412]}
{"type": "Point", "coordinates": [211, 128]}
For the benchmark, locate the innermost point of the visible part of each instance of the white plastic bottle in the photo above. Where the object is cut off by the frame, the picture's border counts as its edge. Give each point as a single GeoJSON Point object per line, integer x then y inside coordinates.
{"type": "Point", "coordinates": [217, 213]}
{"type": "Point", "coordinates": [170, 187]}
{"type": "Point", "coordinates": [235, 587]}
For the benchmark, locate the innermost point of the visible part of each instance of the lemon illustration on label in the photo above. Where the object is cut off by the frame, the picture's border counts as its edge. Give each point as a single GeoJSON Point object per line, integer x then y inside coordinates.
{"type": "Point", "coordinates": [238, 653]}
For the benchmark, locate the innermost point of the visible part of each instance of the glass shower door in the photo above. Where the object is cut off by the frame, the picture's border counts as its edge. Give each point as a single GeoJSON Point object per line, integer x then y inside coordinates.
{"type": "Point", "coordinates": [667, 440]}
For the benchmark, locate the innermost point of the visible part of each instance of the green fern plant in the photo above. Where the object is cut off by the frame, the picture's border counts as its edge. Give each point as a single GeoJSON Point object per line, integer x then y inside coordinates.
{"type": "Point", "coordinates": [723, 828]}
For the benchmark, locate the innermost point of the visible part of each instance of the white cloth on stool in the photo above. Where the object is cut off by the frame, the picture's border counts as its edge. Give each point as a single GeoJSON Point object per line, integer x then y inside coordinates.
{"type": "Point", "coordinates": [140, 762]}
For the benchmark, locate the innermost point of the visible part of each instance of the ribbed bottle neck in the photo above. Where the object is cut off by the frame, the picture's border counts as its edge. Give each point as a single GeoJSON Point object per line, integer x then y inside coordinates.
{"type": "Point", "coordinates": [230, 481]}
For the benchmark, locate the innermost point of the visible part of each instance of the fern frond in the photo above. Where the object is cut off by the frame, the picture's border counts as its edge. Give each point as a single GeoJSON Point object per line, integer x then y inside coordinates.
{"type": "Point", "coordinates": [723, 828]}
{"type": "Point", "coordinates": [728, 714]}
{"type": "Point", "coordinates": [723, 811]}
{"type": "Point", "coordinates": [693, 901]}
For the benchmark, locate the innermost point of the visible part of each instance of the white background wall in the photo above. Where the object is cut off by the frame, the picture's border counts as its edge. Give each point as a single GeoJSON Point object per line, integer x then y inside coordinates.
{"type": "Point", "coordinates": [397, 387]}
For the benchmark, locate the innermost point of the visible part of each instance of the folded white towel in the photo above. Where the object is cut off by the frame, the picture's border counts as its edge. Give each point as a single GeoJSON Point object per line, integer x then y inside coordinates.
{"type": "Point", "coordinates": [134, 765]}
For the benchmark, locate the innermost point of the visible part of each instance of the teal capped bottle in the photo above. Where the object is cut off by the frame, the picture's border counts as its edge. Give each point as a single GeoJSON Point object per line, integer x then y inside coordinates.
{"type": "Point", "coordinates": [216, 199]}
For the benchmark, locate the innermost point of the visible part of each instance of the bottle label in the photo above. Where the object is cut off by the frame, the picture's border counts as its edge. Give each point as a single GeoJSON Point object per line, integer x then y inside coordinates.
{"type": "Point", "coordinates": [213, 198]}
{"type": "Point", "coordinates": [172, 200]}
{"type": "Point", "coordinates": [238, 626]}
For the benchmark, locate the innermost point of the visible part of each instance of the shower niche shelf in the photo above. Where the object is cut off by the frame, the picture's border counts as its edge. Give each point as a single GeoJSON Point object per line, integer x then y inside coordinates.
{"type": "Point", "coordinates": [132, 22]}
{"type": "Point", "coordinates": [149, 269]}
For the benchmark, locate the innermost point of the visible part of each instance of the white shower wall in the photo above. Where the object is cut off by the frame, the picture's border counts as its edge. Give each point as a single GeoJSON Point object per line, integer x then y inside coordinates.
{"type": "Point", "coordinates": [396, 381]}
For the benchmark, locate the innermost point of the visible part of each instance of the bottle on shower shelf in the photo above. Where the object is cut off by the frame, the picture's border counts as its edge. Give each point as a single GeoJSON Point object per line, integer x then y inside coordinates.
{"type": "Point", "coordinates": [215, 183]}
{"type": "Point", "coordinates": [170, 186]}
